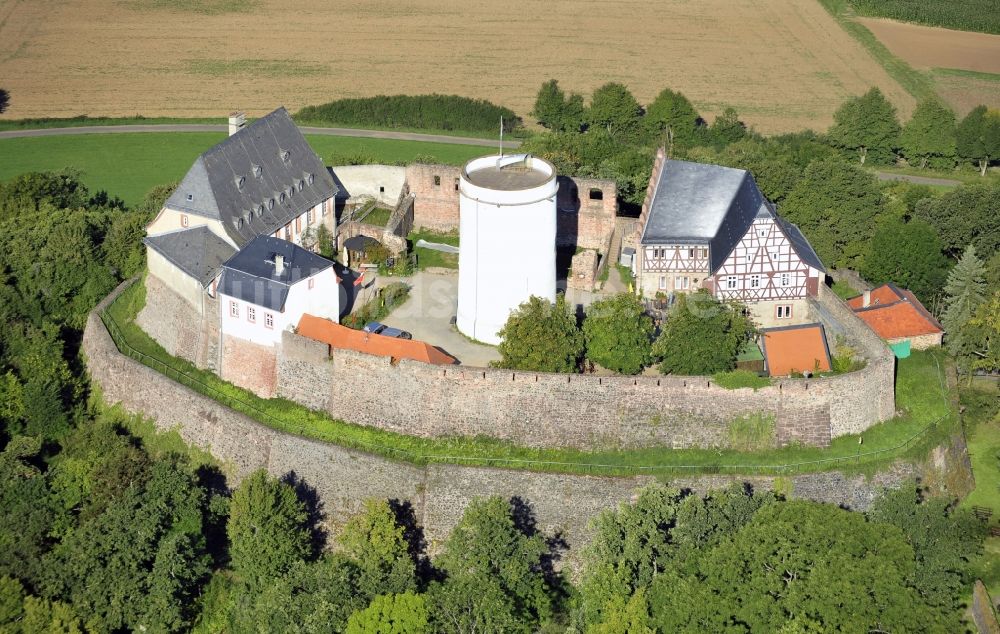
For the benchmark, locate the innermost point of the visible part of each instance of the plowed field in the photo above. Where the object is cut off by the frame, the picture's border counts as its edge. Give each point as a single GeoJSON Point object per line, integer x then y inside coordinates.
{"type": "Point", "coordinates": [784, 64]}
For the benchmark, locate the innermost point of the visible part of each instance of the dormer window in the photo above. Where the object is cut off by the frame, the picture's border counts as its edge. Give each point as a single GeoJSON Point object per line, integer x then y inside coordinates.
{"type": "Point", "coordinates": [270, 203]}
{"type": "Point", "coordinates": [260, 210]}
{"type": "Point", "coordinates": [240, 180]}
{"type": "Point", "coordinates": [302, 184]}
{"type": "Point", "coordinates": [239, 223]}
{"type": "Point", "coordinates": [281, 197]}
{"type": "Point", "coordinates": [284, 154]}
{"type": "Point", "coordinates": [190, 197]}
{"type": "Point", "coordinates": [290, 191]}
{"type": "Point", "coordinates": [258, 171]}
{"type": "Point", "coordinates": [310, 179]}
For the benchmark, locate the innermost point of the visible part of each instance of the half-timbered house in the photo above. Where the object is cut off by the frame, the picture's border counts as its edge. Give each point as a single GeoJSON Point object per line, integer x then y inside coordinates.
{"type": "Point", "coordinates": [708, 226]}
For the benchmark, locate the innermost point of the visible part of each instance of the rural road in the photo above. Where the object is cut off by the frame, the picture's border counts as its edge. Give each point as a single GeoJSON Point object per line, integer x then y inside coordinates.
{"type": "Point", "coordinates": [917, 180]}
{"type": "Point", "coordinates": [193, 127]}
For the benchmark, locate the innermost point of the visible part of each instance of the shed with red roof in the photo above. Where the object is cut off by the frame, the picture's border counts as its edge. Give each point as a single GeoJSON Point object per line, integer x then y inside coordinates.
{"type": "Point", "coordinates": [897, 316]}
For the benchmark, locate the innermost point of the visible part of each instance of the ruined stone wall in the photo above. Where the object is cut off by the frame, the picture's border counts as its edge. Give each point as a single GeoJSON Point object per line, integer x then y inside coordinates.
{"type": "Point", "coordinates": [586, 211]}
{"type": "Point", "coordinates": [435, 195]}
{"type": "Point", "coordinates": [586, 207]}
{"type": "Point", "coordinates": [439, 493]}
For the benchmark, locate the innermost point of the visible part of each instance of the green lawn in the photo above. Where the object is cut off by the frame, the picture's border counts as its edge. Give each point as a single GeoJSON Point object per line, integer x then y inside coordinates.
{"type": "Point", "coordinates": [130, 164]}
{"type": "Point", "coordinates": [85, 121]}
{"type": "Point", "coordinates": [429, 257]}
{"type": "Point", "coordinates": [843, 290]}
{"type": "Point", "coordinates": [920, 393]}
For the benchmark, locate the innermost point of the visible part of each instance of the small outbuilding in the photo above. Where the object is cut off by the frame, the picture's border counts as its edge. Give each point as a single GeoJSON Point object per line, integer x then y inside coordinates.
{"type": "Point", "coordinates": [898, 317]}
{"type": "Point", "coordinates": [795, 350]}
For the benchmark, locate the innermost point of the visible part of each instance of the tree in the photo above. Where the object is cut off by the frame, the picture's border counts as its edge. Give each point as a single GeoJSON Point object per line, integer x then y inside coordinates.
{"type": "Point", "coordinates": [4, 100]}
{"type": "Point", "coordinates": [702, 336]}
{"type": "Point", "coordinates": [490, 556]}
{"type": "Point", "coordinates": [542, 337]}
{"type": "Point", "coordinates": [557, 112]}
{"type": "Point", "coordinates": [614, 108]}
{"type": "Point", "coordinates": [392, 614]}
{"type": "Point", "coordinates": [928, 138]}
{"type": "Point", "coordinates": [672, 116]}
{"type": "Point", "coordinates": [978, 137]}
{"type": "Point", "coordinates": [630, 171]}
{"type": "Point", "coordinates": [374, 540]}
{"type": "Point", "coordinates": [867, 125]}
{"type": "Point", "coordinates": [965, 293]}
{"type": "Point", "coordinates": [987, 323]}
{"type": "Point", "coordinates": [835, 204]}
{"type": "Point", "coordinates": [968, 214]}
{"type": "Point", "coordinates": [909, 254]}
{"type": "Point", "coordinates": [619, 334]}
{"type": "Point", "coordinates": [727, 127]}
{"type": "Point", "coordinates": [268, 530]}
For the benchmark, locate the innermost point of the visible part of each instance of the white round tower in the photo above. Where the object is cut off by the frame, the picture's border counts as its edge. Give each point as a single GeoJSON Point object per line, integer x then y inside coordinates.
{"type": "Point", "coordinates": [507, 229]}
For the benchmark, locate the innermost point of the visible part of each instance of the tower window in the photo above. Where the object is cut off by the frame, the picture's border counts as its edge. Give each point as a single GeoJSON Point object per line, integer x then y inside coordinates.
{"type": "Point", "coordinates": [596, 194]}
{"type": "Point", "coordinates": [437, 181]}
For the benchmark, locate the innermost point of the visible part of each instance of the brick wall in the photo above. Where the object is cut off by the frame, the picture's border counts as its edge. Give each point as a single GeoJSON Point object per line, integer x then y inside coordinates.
{"type": "Point", "coordinates": [583, 270]}
{"type": "Point", "coordinates": [439, 493]}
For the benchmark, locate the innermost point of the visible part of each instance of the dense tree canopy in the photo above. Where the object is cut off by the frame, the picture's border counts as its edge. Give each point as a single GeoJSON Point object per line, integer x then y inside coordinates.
{"type": "Point", "coordinates": [965, 293]}
{"type": "Point", "coordinates": [978, 137]}
{"type": "Point", "coordinates": [969, 214]}
{"type": "Point", "coordinates": [614, 108]}
{"type": "Point", "coordinates": [909, 254]}
{"type": "Point", "coordinates": [928, 138]}
{"type": "Point", "coordinates": [557, 111]}
{"type": "Point", "coordinates": [701, 336]}
{"type": "Point", "coordinates": [673, 121]}
{"type": "Point", "coordinates": [868, 126]}
{"type": "Point", "coordinates": [541, 336]}
{"type": "Point", "coordinates": [619, 334]}
{"type": "Point", "coordinates": [835, 205]}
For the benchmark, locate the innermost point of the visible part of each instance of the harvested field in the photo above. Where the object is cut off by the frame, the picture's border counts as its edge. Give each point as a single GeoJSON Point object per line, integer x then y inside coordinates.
{"type": "Point", "coordinates": [964, 90]}
{"type": "Point", "coordinates": [931, 47]}
{"type": "Point", "coordinates": [784, 64]}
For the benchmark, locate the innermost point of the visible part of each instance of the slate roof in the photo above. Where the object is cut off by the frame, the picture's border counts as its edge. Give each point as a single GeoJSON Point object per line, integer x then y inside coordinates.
{"type": "Point", "coordinates": [198, 252]}
{"type": "Point", "coordinates": [250, 274]}
{"type": "Point", "coordinates": [700, 203]}
{"type": "Point", "coordinates": [344, 338]}
{"type": "Point", "coordinates": [895, 313]}
{"type": "Point", "coordinates": [257, 180]}
{"type": "Point", "coordinates": [795, 348]}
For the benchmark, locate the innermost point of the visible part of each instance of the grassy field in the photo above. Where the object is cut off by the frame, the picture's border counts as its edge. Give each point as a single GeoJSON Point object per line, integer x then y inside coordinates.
{"type": "Point", "coordinates": [982, 425]}
{"type": "Point", "coordinates": [192, 59]}
{"type": "Point", "coordinates": [129, 164]}
{"type": "Point", "coordinates": [429, 257]}
{"type": "Point", "coordinates": [920, 393]}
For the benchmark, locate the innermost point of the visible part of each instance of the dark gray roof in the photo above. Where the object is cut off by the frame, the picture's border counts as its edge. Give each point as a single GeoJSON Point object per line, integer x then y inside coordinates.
{"type": "Point", "coordinates": [198, 252]}
{"type": "Point", "coordinates": [257, 180]}
{"type": "Point", "coordinates": [799, 243]}
{"type": "Point", "coordinates": [250, 274]}
{"type": "Point", "coordinates": [698, 203]}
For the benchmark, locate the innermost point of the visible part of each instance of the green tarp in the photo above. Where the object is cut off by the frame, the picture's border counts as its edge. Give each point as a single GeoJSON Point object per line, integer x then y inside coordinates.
{"type": "Point", "coordinates": [901, 349]}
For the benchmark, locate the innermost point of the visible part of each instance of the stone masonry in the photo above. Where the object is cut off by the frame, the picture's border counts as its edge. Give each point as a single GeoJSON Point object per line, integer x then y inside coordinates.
{"type": "Point", "coordinates": [438, 493]}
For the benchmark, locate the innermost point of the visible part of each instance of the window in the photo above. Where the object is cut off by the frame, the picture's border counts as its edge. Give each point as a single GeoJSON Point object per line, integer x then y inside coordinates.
{"type": "Point", "coordinates": [381, 189]}
{"type": "Point", "coordinates": [730, 281]}
{"type": "Point", "coordinates": [663, 282]}
{"type": "Point", "coordinates": [270, 203]}
{"type": "Point", "coordinates": [596, 194]}
{"type": "Point", "coordinates": [310, 179]}
{"type": "Point", "coordinates": [284, 155]}
{"type": "Point", "coordinates": [190, 197]}
{"type": "Point", "coordinates": [288, 232]}
{"type": "Point", "coordinates": [325, 204]}
{"type": "Point", "coordinates": [302, 184]}
{"type": "Point", "coordinates": [298, 225]}
{"type": "Point", "coordinates": [774, 256]}
{"type": "Point", "coordinates": [761, 232]}
{"type": "Point", "coordinates": [784, 279]}
{"type": "Point", "coordinates": [268, 320]}
{"type": "Point", "coordinates": [690, 253]}
{"type": "Point", "coordinates": [239, 182]}
{"type": "Point", "coordinates": [704, 253]}
{"type": "Point", "coordinates": [681, 283]}
{"type": "Point", "coordinates": [784, 311]}
{"type": "Point", "coordinates": [748, 258]}
{"type": "Point", "coordinates": [234, 309]}
{"type": "Point", "coordinates": [437, 181]}
{"type": "Point", "coordinates": [184, 220]}
{"type": "Point", "coordinates": [309, 217]}
{"type": "Point", "coordinates": [312, 282]}
{"type": "Point", "coordinates": [456, 184]}
{"type": "Point", "coordinates": [754, 281]}
{"type": "Point", "coordinates": [281, 197]}
{"type": "Point", "coordinates": [251, 314]}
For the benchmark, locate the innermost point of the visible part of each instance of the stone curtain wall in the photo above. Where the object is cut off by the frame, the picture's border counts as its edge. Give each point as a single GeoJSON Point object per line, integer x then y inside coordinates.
{"type": "Point", "coordinates": [249, 365]}
{"type": "Point", "coordinates": [439, 493]}
{"type": "Point", "coordinates": [172, 321]}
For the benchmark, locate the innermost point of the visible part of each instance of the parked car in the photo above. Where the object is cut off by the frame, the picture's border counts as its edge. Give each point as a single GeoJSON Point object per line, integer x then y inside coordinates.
{"type": "Point", "coordinates": [376, 328]}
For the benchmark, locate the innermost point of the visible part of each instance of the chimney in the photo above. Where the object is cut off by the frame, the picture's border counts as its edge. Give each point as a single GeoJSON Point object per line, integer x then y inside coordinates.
{"type": "Point", "coordinates": [236, 122]}
{"type": "Point", "coordinates": [866, 299]}
{"type": "Point", "coordinates": [279, 264]}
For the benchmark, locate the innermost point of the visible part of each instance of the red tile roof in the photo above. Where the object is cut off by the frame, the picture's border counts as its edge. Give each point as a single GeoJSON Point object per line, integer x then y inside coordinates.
{"type": "Point", "coordinates": [796, 349]}
{"type": "Point", "coordinates": [344, 338]}
{"type": "Point", "coordinates": [898, 313]}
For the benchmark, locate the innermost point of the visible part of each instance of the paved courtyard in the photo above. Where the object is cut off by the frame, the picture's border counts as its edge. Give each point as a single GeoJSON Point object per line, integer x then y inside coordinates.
{"type": "Point", "coordinates": [428, 314]}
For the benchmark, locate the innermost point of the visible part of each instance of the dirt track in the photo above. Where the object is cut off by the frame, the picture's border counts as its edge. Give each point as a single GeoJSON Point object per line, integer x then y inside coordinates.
{"type": "Point", "coordinates": [784, 64]}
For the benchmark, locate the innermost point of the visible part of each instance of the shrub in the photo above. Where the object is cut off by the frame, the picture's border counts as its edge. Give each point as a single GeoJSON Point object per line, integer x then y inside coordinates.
{"type": "Point", "coordinates": [433, 112]}
{"type": "Point", "coordinates": [735, 379]}
{"type": "Point", "coordinates": [540, 336]}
